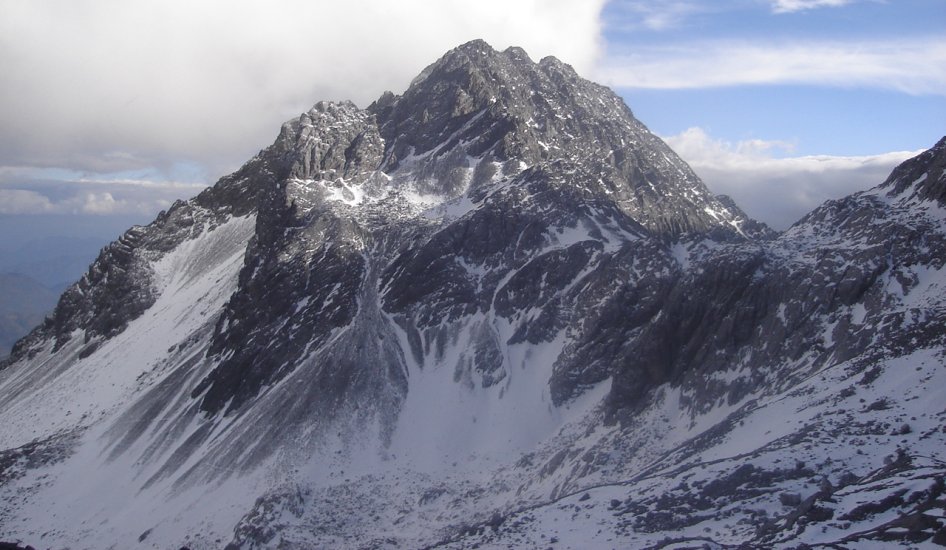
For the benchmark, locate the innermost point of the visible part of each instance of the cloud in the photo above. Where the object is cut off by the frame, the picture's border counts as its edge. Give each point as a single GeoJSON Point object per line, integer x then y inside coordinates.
{"type": "Point", "coordinates": [27, 201]}
{"type": "Point", "coordinates": [146, 183]}
{"type": "Point", "coordinates": [631, 15]}
{"type": "Point", "coordinates": [111, 85]}
{"type": "Point", "coordinates": [102, 203]}
{"type": "Point", "coordinates": [778, 191]}
{"type": "Point", "coordinates": [789, 6]}
{"type": "Point", "coordinates": [24, 201]}
{"type": "Point", "coordinates": [914, 66]}
{"type": "Point", "coordinates": [81, 202]}
{"type": "Point", "coordinates": [28, 190]}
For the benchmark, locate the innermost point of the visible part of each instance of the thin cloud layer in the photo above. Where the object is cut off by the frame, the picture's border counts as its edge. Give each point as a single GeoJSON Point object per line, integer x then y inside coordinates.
{"type": "Point", "coordinates": [790, 6]}
{"type": "Point", "coordinates": [25, 201]}
{"type": "Point", "coordinates": [916, 66]}
{"type": "Point", "coordinates": [778, 191]}
{"type": "Point", "coordinates": [26, 190]}
{"type": "Point", "coordinates": [631, 15]}
{"type": "Point", "coordinates": [111, 85]}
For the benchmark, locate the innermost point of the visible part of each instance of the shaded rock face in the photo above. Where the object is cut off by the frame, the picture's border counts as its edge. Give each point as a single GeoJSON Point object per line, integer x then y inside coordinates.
{"type": "Point", "coordinates": [304, 270]}
{"type": "Point", "coordinates": [503, 252]}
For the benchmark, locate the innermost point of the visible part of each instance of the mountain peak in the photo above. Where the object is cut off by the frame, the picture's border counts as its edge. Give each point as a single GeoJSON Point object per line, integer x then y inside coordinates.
{"type": "Point", "coordinates": [470, 55]}
{"type": "Point", "coordinates": [516, 52]}
{"type": "Point", "coordinates": [477, 102]}
{"type": "Point", "coordinates": [477, 45]}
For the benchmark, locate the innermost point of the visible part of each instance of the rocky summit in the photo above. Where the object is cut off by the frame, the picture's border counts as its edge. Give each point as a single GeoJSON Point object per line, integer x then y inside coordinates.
{"type": "Point", "coordinates": [493, 311]}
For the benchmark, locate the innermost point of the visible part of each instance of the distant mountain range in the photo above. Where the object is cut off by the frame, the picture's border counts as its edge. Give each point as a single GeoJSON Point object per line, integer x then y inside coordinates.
{"type": "Point", "coordinates": [492, 312]}
{"type": "Point", "coordinates": [34, 271]}
{"type": "Point", "coordinates": [54, 261]}
{"type": "Point", "coordinates": [24, 302]}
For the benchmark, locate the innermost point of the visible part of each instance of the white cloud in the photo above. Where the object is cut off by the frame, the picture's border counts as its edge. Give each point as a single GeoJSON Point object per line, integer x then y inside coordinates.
{"type": "Point", "coordinates": [914, 66]}
{"type": "Point", "coordinates": [631, 15]}
{"type": "Point", "coordinates": [30, 190]}
{"type": "Point", "coordinates": [153, 184]}
{"type": "Point", "coordinates": [778, 191]}
{"type": "Point", "coordinates": [789, 6]}
{"type": "Point", "coordinates": [117, 85]}
{"type": "Point", "coordinates": [104, 203]}
{"type": "Point", "coordinates": [24, 201]}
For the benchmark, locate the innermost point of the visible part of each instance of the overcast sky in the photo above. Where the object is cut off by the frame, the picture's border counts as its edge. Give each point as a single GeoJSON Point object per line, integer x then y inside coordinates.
{"type": "Point", "coordinates": [111, 107]}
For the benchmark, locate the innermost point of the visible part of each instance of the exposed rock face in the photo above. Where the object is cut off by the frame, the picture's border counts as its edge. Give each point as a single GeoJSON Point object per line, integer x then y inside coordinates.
{"type": "Point", "coordinates": [476, 102]}
{"type": "Point", "coordinates": [442, 319]}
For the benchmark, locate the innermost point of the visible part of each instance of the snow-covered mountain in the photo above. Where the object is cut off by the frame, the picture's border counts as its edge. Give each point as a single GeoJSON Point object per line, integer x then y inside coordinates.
{"type": "Point", "coordinates": [493, 311]}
